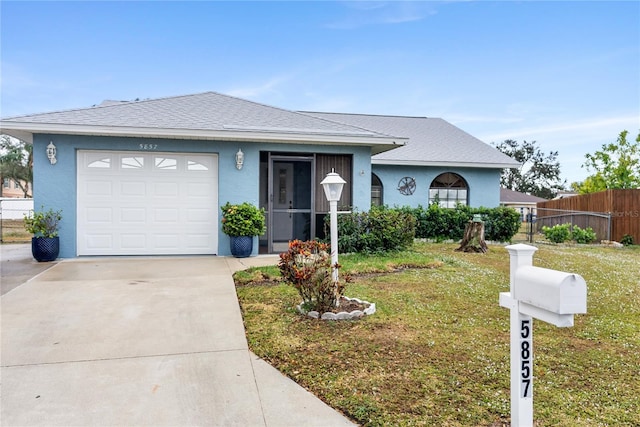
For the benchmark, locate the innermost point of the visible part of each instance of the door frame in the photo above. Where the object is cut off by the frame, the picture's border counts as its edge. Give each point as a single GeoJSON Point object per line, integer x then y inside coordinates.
{"type": "Point", "coordinates": [275, 158]}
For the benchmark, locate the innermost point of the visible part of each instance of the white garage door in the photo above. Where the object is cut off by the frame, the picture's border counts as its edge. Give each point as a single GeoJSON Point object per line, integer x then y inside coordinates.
{"type": "Point", "coordinates": [142, 203]}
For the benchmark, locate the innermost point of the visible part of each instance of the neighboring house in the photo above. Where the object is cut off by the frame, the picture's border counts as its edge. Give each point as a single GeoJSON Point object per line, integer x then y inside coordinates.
{"type": "Point", "coordinates": [148, 177]}
{"type": "Point", "coordinates": [562, 194]}
{"type": "Point", "coordinates": [522, 202]}
{"type": "Point", "coordinates": [11, 189]}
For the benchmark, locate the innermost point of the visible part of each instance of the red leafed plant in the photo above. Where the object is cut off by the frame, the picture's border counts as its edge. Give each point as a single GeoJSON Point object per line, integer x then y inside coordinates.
{"type": "Point", "coordinates": [307, 267]}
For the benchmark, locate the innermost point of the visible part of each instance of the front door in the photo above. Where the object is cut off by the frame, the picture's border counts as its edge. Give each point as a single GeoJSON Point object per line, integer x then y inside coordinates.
{"type": "Point", "coordinates": [290, 201]}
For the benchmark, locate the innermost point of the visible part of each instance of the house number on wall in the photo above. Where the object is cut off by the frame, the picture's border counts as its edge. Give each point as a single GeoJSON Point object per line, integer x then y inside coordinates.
{"type": "Point", "coordinates": [148, 146]}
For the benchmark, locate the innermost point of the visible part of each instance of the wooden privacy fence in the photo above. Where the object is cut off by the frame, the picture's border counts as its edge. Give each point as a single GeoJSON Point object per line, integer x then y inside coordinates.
{"type": "Point", "coordinates": [612, 213]}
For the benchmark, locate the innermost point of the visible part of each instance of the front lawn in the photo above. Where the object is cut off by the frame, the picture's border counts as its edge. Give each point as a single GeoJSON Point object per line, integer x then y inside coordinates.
{"type": "Point", "coordinates": [437, 350]}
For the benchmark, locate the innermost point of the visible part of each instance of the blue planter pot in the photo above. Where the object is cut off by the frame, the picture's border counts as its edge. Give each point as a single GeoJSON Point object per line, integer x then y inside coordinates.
{"type": "Point", "coordinates": [241, 246]}
{"type": "Point", "coordinates": [45, 249]}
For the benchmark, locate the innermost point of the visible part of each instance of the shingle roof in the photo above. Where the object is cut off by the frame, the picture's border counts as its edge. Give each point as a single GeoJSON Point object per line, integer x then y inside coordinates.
{"type": "Point", "coordinates": [208, 113]}
{"type": "Point", "coordinates": [510, 196]}
{"type": "Point", "coordinates": [432, 141]}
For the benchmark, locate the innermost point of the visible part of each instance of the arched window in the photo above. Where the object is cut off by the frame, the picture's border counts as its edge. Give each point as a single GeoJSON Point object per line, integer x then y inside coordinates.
{"type": "Point", "coordinates": [376, 191]}
{"type": "Point", "coordinates": [449, 189]}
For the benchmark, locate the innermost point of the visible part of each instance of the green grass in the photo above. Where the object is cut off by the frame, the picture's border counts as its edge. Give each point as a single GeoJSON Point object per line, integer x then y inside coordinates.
{"type": "Point", "coordinates": [13, 231]}
{"type": "Point", "coordinates": [436, 352]}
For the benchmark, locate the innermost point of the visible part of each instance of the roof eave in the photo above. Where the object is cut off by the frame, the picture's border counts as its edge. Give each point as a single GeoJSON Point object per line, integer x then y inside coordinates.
{"type": "Point", "coordinates": [489, 165]}
{"type": "Point", "coordinates": [25, 131]}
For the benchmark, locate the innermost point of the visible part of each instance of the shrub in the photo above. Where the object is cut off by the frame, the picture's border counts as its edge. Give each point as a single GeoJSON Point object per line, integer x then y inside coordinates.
{"type": "Point", "coordinates": [438, 223]}
{"type": "Point", "coordinates": [501, 223]}
{"type": "Point", "coordinates": [242, 220]}
{"type": "Point", "coordinates": [385, 229]}
{"type": "Point", "coordinates": [307, 267]}
{"type": "Point", "coordinates": [43, 223]}
{"type": "Point", "coordinates": [559, 233]}
{"type": "Point", "coordinates": [379, 230]}
{"type": "Point", "coordinates": [627, 240]}
{"type": "Point", "coordinates": [583, 236]}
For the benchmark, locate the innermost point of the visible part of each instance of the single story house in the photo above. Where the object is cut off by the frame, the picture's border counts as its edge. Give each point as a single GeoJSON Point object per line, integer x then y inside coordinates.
{"type": "Point", "coordinates": [521, 202]}
{"type": "Point", "coordinates": [148, 177]}
{"type": "Point", "coordinates": [14, 189]}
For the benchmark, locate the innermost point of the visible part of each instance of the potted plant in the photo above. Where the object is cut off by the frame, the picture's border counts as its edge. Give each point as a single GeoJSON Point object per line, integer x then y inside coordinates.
{"type": "Point", "coordinates": [45, 244]}
{"type": "Point", "coordinates": [241, 222]}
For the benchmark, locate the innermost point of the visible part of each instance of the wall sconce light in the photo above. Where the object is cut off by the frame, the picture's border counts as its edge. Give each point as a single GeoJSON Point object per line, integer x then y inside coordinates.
{"type": "Point", "coordinates": [51, 153]}
{"type": "Point", "coordinates": [239, 159]}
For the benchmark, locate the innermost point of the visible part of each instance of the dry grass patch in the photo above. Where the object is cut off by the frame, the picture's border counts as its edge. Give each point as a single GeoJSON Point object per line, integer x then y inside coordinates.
{"type": "Point", "coordinates": [13, 231]}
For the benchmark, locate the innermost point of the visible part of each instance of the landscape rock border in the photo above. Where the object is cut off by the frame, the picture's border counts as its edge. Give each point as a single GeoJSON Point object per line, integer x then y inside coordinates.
{"type": "Point", "coordinates": [343, 315]}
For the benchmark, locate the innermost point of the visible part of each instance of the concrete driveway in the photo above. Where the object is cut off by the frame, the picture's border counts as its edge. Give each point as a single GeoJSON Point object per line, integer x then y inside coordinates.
{"type": "Point", "coordinates": [17, 265]}
{"type": "Point", "coordinates": [140, 341]}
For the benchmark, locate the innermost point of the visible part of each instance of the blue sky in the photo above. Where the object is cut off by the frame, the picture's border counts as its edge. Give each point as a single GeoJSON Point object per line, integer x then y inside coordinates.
{"type": "Point", "coordinates": [565, 74]}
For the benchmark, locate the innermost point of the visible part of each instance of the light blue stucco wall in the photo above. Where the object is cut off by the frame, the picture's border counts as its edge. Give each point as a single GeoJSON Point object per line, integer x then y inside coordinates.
{"type": "Point", "coordinates": [484, 184]}
{"type": "Point", "coordinates": [55, 186]}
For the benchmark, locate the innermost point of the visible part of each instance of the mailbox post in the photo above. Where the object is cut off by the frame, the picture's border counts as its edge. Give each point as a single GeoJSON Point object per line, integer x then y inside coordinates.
{"type": "Point", "coordinates": [549, 295]}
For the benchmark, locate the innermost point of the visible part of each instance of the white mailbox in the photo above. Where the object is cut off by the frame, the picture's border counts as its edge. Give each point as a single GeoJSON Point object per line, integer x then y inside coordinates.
{"type": "Point", "coordinates": [550, 295]}
{"type": "Point", "coordinates": [535, 293]}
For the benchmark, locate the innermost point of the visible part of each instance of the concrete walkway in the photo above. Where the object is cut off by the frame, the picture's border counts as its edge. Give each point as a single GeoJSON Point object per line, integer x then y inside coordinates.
{"type": "Point", "coordinates": [144, 342]}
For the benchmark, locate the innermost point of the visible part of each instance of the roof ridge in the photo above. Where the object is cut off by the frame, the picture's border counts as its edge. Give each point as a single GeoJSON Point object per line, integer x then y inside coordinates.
{"type": "Point", "coordinates": [100, 106]}
{"type": "Point", "coordinates": [368, 114]}
{"type": "Point", "coordinates": [348, 124]}
{"type": "Point", "coordinates": [302, 113]}
{"type": "Point", "coordinates": [120, 103]}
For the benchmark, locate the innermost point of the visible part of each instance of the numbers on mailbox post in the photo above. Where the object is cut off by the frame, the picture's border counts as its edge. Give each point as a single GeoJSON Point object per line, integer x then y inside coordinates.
{"type": "Point", "coordinates": [525, 357]}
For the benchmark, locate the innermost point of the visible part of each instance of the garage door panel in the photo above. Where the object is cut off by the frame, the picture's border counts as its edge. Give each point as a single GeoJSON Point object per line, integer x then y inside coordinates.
{"type": "Point", "coordinates": [96, 160]}
{"type": "Point", "coordinates": [147, 203]}
{"type": "Point", "coordinates": [197, 240]}
{"type": "Point", "coordinates": [199, 216]}
{"type": "Point", "coordinates": [99, 241]}
{"type": "Point", "coordinates": [133, 215]}
{"type": "Point", "coordinates": [198, 189]}
{"type": "Point", "coordinates": [166, 241]}
{"type": "Point", "coordinates": [165, 189]}
{"type": "Point", "coordinates": [99, 215]}
{"type": "Point", "coordinates": [132, 162]}
{"type": "Point", "coordinates": [168, 215]}
{"type": "Point", "coordinates": [133, 188]}
{"type": "Point", "coordinates": [134, 241]}
{"type": "Point", "coordinates": [99, 188]}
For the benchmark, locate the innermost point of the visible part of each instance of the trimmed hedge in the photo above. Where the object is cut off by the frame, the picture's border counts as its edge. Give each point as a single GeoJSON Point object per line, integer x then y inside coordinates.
{"type": "Point", "coordinates": [379, 230]}
{"type": "Point", "coordinates": [434, 222]}
{"type": "Point", "coordinates": [385, 229]}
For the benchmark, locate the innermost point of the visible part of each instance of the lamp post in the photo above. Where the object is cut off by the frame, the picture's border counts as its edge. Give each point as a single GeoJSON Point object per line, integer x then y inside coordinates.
{"type": "Point", "coordinates": [332, 185]}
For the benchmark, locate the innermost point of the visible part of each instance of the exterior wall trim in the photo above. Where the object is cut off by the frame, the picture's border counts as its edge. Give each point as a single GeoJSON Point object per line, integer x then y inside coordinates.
{"type": "Point", "coordinates": [443, 164]}
{"type": "Point", "coordinates": [378, 143]}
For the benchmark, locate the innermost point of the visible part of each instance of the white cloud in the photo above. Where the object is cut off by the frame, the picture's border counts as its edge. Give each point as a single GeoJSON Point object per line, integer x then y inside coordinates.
{"type": "Point", "coordinates": [591, 127]}
{"type": "Point", "coordinates": [269, 87]}
{"type": "Point", "coordinates": [365, 13]}
{"type": "Point", "coordinates": [459, 119]}
{"type": "Point", "coordinates": [571, 139]}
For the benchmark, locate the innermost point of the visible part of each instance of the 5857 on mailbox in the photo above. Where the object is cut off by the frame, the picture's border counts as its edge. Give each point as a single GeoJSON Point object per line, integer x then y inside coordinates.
{"type": "Point", "coordinates": [526, 354]}
{"type": "Point", "coordinates": [548, 295]}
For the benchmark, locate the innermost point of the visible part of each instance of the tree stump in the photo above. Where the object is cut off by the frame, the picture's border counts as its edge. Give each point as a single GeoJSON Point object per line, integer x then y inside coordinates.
{"type": "Point", "coordinates": [473, 240]}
